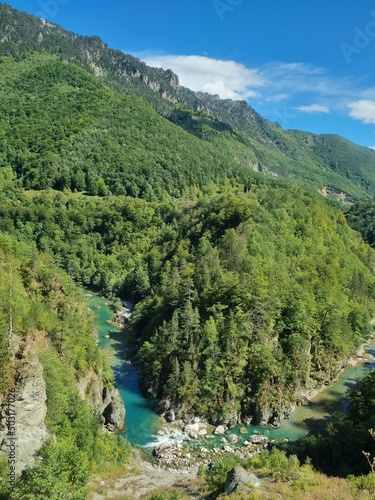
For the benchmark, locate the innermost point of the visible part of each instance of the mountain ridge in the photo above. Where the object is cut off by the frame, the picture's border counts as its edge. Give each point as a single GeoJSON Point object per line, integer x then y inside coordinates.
{"type": "Point", "coordinates": [250, 289]}
{"type": "Point", "coordinates": [228, 125]}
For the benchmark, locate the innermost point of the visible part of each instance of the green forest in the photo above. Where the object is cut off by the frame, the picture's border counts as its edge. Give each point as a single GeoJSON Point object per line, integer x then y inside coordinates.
{"type": "Point", "coordinates": [273, 278]}
{"type": "Point", "coordinates": [40, 303]}
{"type": "Point", "coordinates": [249, 287]}
{"type": "Point", "coordinates": [63, 128]}
{"type": "Point", "coordinates": [230, 131]}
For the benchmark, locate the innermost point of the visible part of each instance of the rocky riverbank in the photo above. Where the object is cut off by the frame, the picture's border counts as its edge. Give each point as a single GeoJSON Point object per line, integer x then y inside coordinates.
{"type": "Point", "coordinates": [175, 467]}
{"type": "Point", "coordinates": [359, 358]}
{"type": "Point", "coordinates": [176, 456]}
{"type": "Point", "coordinates": [264, 416]}
{"type": "Point", "coordinates": [122, 315]}
{"type": "Point", "coordinates": [140, 478]}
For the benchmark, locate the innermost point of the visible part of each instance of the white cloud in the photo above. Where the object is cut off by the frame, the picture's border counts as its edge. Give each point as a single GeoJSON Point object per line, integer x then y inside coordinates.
{"type": "Point", "coordinates": [372, 147]}
{"type": "Point", "coordinates": [301, 68]}
{"type": "Point", "coordinates": [231, 80]}
{"type": "Point", "coordinates": [228, 79]}
{"type": "Point", "coordinates": [277, 81]}
{"type": "Point", "coordinates": [300, 78]}
{"type": "Point", "coordinates": [313, 108]}
{"type": "Point", "coordinates": [363, 110]}
{"type": "Point", "coordinates": [277, 98]}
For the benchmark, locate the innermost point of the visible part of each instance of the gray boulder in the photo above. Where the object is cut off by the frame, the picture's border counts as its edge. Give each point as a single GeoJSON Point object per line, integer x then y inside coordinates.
{"type": "Point", "coordinates": [170, 416]}
{"type": "Point", "coordinates": [238, 479]}
{"type": "Point", "coordinates": [162, 448]}
{"type": "Point", "coordinates": [220, 429]}
{"type": "Point", "coordinates": [191, 428]}
{"type": "Point", "coordinates": [233, 439]}
{"type": "Point", "coordinates": [258, 439]}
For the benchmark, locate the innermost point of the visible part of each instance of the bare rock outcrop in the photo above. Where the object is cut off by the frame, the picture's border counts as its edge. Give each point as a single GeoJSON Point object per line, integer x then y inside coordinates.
{"type": "Point", "coordinates": [27, 405]}
{"type": "Point", "coordinates": [238, 479]}
{"type": "Point", "coordinates": [106, 402]}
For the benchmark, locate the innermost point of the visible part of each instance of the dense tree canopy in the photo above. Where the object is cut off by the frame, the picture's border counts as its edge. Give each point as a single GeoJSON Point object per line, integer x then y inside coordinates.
{"type": "Point", "coordinates": [39, 301]}
{"type": "Point", "coordinates": [258, 297]}
{"type": "Point", "coordinates": [243, 298]}
{"type": "Point", "coordinates": [63, 128]}
{"type": "Point", "coordinates": [248, 289]}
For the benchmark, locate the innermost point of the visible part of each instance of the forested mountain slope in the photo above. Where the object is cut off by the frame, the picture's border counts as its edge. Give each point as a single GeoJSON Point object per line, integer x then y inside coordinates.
{"type": "Point", "coordinates": [361, 217]}
{"type": "Point", "coordinates": [244, 300]}
{"type": "Point", "coordinates": [232, 127]}
{"type": "Point", "coordinates": [250, 289]}
{"type": "Point", "coordinates": [47, 346]}
{"type": "Point", "coordinates": [61, 127]}
{"type": "Point", "coordinates": [260, 297]}
{"type": "Point", "coordinates": [354, 162]}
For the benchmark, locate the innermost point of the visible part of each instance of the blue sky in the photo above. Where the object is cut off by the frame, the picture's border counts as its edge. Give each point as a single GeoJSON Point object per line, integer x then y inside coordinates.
{"type": "Point", "coordinates": [306, 65]}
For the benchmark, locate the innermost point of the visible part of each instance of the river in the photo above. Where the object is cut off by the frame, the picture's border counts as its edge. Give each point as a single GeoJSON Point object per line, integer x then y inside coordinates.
{"type": "Point", "coordinates": [142, 423]}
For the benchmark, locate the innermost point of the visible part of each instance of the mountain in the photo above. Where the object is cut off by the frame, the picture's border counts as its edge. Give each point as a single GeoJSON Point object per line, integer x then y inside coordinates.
{"type": "Point", "coordinates": [71, 131]}
{"type": "Point", "coordinates": [250, 288]}
{"type": "Point", "coordinates": [328, 163]}
{"type": "Point", "coordinates": [84, 119]}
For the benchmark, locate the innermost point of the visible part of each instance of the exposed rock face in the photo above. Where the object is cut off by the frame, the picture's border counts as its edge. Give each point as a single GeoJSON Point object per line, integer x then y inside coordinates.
{"type": "Point", "coordinates": [163, 406]}
{"type": "Point", "coordinates": [171, 411]}
{"type": "Point", "coordinates": [30, 403]}
{"type": "Point", "coordinates": [239, 479]}
{"type": "Point", "coordinates": [30, 409]}
{"type": "Point", "coordinates": [263, 415]}
{"type": "Point", "coordinates": [170, 416]}
{"type": "Point", "coordinates": [150, 388]}
{"type": "Point", "coordinates": [114, 411]}
{"type": "Point", "coordinates": [107, 403]}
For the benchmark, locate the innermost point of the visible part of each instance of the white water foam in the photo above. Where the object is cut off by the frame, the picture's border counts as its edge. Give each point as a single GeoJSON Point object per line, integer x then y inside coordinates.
{"type": "Point", "coordinates": [175, 437]}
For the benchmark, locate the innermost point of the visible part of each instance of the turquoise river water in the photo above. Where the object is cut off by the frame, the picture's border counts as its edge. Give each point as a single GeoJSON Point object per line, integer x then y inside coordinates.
{"type": "Point", "coordinates": [142, 423]}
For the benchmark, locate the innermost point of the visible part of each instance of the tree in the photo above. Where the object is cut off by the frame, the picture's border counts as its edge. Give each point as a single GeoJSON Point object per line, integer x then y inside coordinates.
{"type": "Point", "coordinates": [361, 407]}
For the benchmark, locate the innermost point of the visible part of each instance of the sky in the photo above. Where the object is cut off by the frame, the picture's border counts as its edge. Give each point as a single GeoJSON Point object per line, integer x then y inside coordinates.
{"type": "Point", "coordinates": [307, 65]}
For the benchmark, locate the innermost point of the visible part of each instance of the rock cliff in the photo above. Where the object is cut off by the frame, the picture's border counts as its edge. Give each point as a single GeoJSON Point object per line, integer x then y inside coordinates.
{"type": "Point", "coordinates": [106, 402]}
{"type": "Point", "coordinates": [29, 408]}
